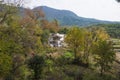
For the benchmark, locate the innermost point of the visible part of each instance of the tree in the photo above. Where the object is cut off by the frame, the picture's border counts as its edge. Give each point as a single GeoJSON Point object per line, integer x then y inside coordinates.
{"type": "Point", "coordinates": [9, 8]}
{"type": "Point", "coordinates": [74, 40]}
{"type": "Point", "coordinates": [36, 63]}
{"type": "Point", "coordinates": [44, 37]}
{"type": "Point", "coordinates": [31, 23]}
{"type": "Point", "coordinates": [104, 55]}
{"type": "Point", "coordinates": [63, 30]}
{"type": "Point", "coordinates": [52, 26]}
{"type": "Point", "coordinates": [92, 36]}
{"type": "Point", "coordinates": [13, 38]}
{"type": "Point", "coordinates": [98, 34]}
{"type": "Point", "coordinates": [32, 18]}
{"type": "Point", "coordinates": [18, 42]}
{"type": "Point", "coordinates": [88, 43]}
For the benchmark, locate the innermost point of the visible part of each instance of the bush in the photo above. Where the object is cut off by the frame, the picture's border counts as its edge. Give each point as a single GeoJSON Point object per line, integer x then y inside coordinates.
{"type": "Point", "coordinates": [66, 58]}
{"type": "Point", "coordinates": [36, 63]}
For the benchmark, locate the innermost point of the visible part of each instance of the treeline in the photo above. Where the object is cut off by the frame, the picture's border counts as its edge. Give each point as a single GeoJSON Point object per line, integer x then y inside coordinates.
{"type": "Point", "coordinates": [26, 55]}
{"type": "Point", "coordinates": [112, 29]}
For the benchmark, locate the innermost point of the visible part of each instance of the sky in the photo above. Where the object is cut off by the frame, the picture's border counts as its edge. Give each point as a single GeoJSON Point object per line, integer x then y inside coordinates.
{"type": "Point", "coordinates": [98, 9]}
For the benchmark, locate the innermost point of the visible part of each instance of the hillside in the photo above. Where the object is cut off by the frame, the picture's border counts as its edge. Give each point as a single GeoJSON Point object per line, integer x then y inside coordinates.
{"type": "Point", "coordinates": [66, 17]}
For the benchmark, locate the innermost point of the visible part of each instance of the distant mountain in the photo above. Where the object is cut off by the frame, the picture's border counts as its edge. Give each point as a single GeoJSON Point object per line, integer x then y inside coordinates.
{"type": "Point", "coordinates": [68, 18]}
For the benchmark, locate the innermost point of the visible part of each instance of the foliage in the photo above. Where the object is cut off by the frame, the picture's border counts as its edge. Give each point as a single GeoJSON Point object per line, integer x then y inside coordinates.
{"type": "Point", "coordinates": [95, 76]}
{"type": "Point", "coordinates": [52, 26]}
{"type": "Point", "coordinates": [49, 63]}
{"type": "Point", "coordinates": [36, 63]}
{"type": "Point", "coordinates": [74, 40]}
{"type": "Point", "coordinates": [99, 33]}
{"type": "Point", "coordinates": [63, 30]}
{"type": "Point", "coordinates": [111, 29]}
{"type": "Point", "coordinates": [65, 59]}
{"type": "Point", "coordinates": [9, 10]}
{"type": "Point", "coordinates": [104, 56]}
{"type": "Point", "coordinates": [45, 36]}
{"type": "Point", "coordinates": [5, 64]}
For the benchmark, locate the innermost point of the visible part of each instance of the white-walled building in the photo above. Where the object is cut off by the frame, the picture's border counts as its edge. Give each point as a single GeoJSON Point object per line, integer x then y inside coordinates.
{"type": "Point", "coordinates": [56, 40]}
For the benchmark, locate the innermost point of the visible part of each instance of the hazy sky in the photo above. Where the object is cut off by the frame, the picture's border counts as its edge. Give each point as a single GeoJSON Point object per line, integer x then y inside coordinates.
{"type": "Point", "coordinates": [99, 9]}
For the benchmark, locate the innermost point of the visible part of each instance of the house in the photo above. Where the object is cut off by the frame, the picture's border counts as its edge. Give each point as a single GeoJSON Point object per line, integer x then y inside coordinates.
{"type": "Point", "coordinates": [56, 40]}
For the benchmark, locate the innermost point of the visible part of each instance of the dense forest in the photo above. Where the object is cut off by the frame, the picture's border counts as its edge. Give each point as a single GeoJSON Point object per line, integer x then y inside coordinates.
{"type": "Point", "coordinates": [25, 53]}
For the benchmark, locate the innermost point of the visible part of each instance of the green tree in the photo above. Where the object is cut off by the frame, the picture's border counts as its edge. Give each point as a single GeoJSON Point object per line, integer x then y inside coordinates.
{"type": "Point", "coordinates": [63, 30]}
{"type": "Point", "coordinates": [19, 43]}
{"type": "Point", "coordinates": [88, 43]}
{"type": "Point", "coordinates": [36, 63]}
{"type": "Point", "coordinates": [104, 55]}
{"type": "Point", "coordinates": [74, 40]}
{"type": "Point", "coordinates": [98, 34]}
{"type": "Point", "coordinates": [92, 36]}
{"type": "Point", "coordinates": [44, 37]}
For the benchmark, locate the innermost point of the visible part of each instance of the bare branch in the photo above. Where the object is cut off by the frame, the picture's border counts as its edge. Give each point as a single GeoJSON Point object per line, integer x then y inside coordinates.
{"type": "Point", "coordinates": [9, 7]}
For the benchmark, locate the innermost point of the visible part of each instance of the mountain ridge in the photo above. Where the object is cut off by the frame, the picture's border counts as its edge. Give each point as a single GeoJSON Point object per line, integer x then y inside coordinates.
{"type": "Point", "coordinates": [69, 18]}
